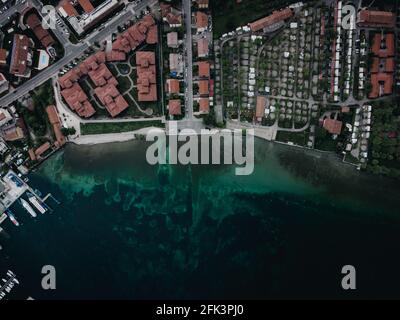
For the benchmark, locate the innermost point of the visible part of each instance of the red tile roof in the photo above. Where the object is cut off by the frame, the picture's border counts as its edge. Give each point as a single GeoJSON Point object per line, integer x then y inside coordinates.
{"type": "Point", "coordinates": [145, 29]}
{"type": "Point", "coordinates": [69, 8]}
{"type": "Point", "coordinates": [19, 56]}
{"type": "Point", "coordinates": [77, 100]}
{"type": "Point", "coordinates": [204, 105]}
{"type": "Point", "coordinates": [110, 97]}
{"type": "Point", "coordinates": [3, 56]}
{"type": "Point", "coordinates": [115, 56]}
{"type": "Point", "coordinates": [33, 21]}
{"type": "Point", "coordinates": [146, 71]}
{"type": "Point", "coordinates": [101, 76]}
{"type": "Point", "coordinates": [56, 123]}
{"type": "Point", "coordinates": [152, 35]}
{"type": "Point", "coordinates": [173, 86]}
{"type": "Point", "coordinates": [385, 49]}
{"type": "Point", "coordinates": [203, 87]}
{"type": "Point", "coordinates": [333, 126]}
{"type": "Point", "coordinates": [201, 20]}
{"type": "Point", "coordinates": [376, 18]}
{"type": "Point", "coordinates": [86, 5]}
{"type": "Point", "coordinates": [42, 149]}
{"type": "Point", "coordinates": [260, 107]}
{"type": "Point", "coordinates": [382, 84]}
{"type": "Point", "coordinates": [174, 107]}
{"type": "Point", "coordinates": [275, 17]}
{"type": "Point", "coordinates": [204, 69]}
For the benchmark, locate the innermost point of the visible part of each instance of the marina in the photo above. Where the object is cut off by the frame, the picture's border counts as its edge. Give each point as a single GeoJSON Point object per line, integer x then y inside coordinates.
{"type": "Point", "coordinates": [14, 188]}
{"type": "Point", "coordinates": [7, 284]}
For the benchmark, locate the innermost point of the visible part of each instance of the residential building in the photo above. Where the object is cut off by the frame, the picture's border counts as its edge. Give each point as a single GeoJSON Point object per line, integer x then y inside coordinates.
{"type": "Point", "coordinates": [173, 86]}
{"type": "Point", "coordinates": [333, 126]}
{"type": "Point", "coordinates": [21, 56]}
{"type": "Point", "coordinates": [204, 87]}
{"type": "Point", "coordinates": [174, 107]}
{"type": "Point", "coordinates": [274, 20]}
{"type": "Point", "coordinates": [146, 71]}
{"type": "Point", "coordinates": [204, 69]}
{"type": "Point", "coordinates": [260, 107]}
{"type": "Point", "coordinates": [172, 40]}
{"type": "Point", "coordinates": [176, 63]}
{"type": "Point", "coordinates": [78, 101]}
{"type": "Point", "coordinates": [3, 56]}
{"type": "Point", "coordinates": [171, 15]}
{"type": "Point", "coordinates": [5, 117]}
{"type": "Point", "coordinates": [204, 105]}
{"type": "Point", "coordinates": [110, 97]}
{"type": "Point", "coordinates": [202, 47]}
{"type": "Point", "coordinates": [35, 24]}
{"type": "Point", "coordinates": [54, 120]}
{"type": "Point", "coordinates": [4, 85]}
{"type": "Point", "coordinates": [201, 21]}
{"type": "Point", "coordinates": [372, 18]}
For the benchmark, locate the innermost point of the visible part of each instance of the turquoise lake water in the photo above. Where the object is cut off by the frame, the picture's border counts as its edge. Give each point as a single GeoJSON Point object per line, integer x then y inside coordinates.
{"type": "Point", "coordinates": [128, 230]}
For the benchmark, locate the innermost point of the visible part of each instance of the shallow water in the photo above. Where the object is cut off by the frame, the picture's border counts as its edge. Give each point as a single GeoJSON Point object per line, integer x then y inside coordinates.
{"type": "Point", "coordinates": [126, 229]}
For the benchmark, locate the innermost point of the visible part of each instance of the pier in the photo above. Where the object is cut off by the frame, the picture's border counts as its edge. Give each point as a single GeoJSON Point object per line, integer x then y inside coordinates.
{"type": "Point", "coordinates": [7, 284]}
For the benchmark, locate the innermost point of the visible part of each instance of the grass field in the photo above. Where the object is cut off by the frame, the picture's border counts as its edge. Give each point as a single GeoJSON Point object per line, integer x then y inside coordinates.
{"type": "Point", "coordinates": [117, 127]}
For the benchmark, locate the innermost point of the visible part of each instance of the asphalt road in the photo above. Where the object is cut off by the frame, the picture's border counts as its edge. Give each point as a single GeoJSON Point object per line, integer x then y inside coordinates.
{"type": "Point", "coordinates": [74, 52]}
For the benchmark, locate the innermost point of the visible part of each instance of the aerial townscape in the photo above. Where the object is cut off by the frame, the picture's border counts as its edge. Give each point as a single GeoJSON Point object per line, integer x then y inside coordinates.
{"type": "Point", "coordinates": [311, 75]}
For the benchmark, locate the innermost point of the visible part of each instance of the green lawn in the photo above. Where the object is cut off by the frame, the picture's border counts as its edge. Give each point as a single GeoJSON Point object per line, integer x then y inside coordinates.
{"type": "Point", "coordinates": [110, 127]}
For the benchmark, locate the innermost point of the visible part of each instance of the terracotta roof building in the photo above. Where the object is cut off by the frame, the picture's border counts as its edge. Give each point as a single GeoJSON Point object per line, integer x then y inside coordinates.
{"type": "Point", "coordinates": [42, 149]}
{"type": "Point", "coordinates": [21, 58]}
{"type": "Point", "coordinates": [333, 126]}
{"type": "Point", "coordinates": [201, 21]}
{"type": "Point", "coordinates": [383, 47]}
{"type": "Point", "coordinates": [204, 104]}
{"type": "Point", "coordinates": [146, 71]}
{"type": "Point", "coordinates": [370, 18]}
{"type": "Point", "coordinates": [34, 23]}
{"type": "Point", "coordinates": [383, 65]}
{"type": "Point", "coordinates": [204, 69]}
{"type": "Point", "coordinates": [203, 87]}
{"type": "Point", "coordinates": [114, 55]}
{"type": "Point", "coordinates": [260, 107]}
{"type": "Point", "coordinates": [110, 97]}
{"type": "Point", "coordinates": [102, 76]}
{"type": "Point", "coordinates": [275, 17]}
{"type": "Point", "coordinates": [69, 8]}
{"type": "Point", "coordinates": [173, 86]}
{"type": "Point", "coordinates": [174, 107]}
{"type": "Point", "coordinates": [171, 15]}
{"type": "Point", "coordinates": [54, 120]}
{"type": "Point", "coordinates": [202, 47]}
{"type": "Point", "coordinates": [382, 84]}
{"type": "Point", "coordinates": [3, 56]}
{"type": "Point", "coordinates": [144, 30]}
{"type": "Point", "coordinates": [86, 5]}
{"type": "Point", "coordinates": [78, 101]}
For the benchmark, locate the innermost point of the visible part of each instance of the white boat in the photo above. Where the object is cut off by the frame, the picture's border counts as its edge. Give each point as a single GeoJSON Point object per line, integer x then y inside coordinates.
{"type": "Point", "coordinates": [28, 208]}
{"type": "Point", "coordinates": [32, 199]}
